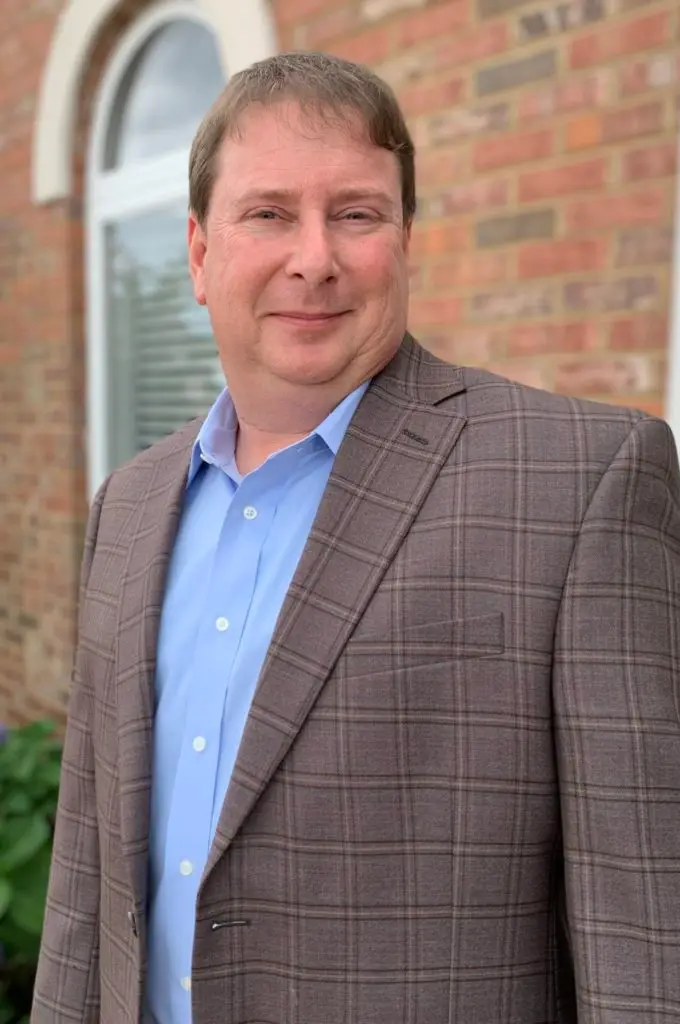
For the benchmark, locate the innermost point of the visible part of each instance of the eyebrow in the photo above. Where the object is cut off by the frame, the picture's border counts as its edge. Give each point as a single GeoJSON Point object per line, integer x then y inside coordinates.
{"type": "Point", "coordinates": [353, 195]}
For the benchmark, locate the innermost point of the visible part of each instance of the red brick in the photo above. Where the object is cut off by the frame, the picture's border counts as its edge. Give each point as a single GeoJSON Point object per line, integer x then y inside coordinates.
{"type": "Point", "coordinates": [458, 123]}
{"type": "Point", "coordinates": [376, 10]}
{"type": "Point", "coordinates": [612, 41]}
{"type": "Point", "coordinates": [484, 193]}
{"type": "Point", "coordinates": [476, 43]}
{"type": "Point", "coordinates": [470, 270]}
{"type": "Point", "coordinates": [633, 333]}
{"type": "Point", "coordinates": [583, 132]}
{"type": "Point", "coordinates": [327, 27]}
{"type": "Point", "coordinates": [426, 97]}
{"type": "Point", "coordinates": [406, 67]}
{"type": "Point", "coordinates": [632, 122]}
{"type": "Point", "coordinates": [610, 295]}
{"type": "Point", "coordinates": [545, 259]}
{"type": "Point", "coordinates": [440, 167]}
{"type": "Point", "coordinates": [289, 12]}
{"type": "Point", "coordinates": [416, 278]}
{"type": "Point", "coordinates": [514, 302]}
{"type": "Point", "coordinates": [652, 406]}
{"type": "Point", "coordinates": [643, 207]}
{"type": "Point", "coordinates": [438, 238]}
{"type": "Point", "coordinates": [507, 150]}
{"type": "Point", "coordinates": [535, 339]}
{"type": "Point", "coordinates": [646, 245]}
{"type": "Point", "coordinates": [605, 376]}
{"type": "Point", "coordinates": [428, 311]}
{"type": "Point", "coordinates": [530, 373]}
{"type": "Point", "coordinates": [564, 180]}
{"type": "Point", "coordinates": [474, 345]}
{"type": "Point", "coordinates": [660, 71]}
{"type": "Point", "coordinates": [581, 93]}
{"type": "Point", "coordinates": [432, 22]}
{"type": "Point", "coordinates": [368, 47]}
{"type": "Point", "coordinates": [658, 161]}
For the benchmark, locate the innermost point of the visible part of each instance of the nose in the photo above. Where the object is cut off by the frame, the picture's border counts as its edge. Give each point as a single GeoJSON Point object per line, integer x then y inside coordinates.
{"type": "Point", "coordinates": [312, 257]}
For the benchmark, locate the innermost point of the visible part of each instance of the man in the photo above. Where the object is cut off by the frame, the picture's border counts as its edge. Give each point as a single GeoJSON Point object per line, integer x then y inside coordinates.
{"type": "Point", "coordinates": [375, 705]}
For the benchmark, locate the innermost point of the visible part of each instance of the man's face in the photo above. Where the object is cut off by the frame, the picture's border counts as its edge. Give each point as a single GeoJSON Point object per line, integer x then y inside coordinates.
{"type": "Point", "coordinates": [302, 261]}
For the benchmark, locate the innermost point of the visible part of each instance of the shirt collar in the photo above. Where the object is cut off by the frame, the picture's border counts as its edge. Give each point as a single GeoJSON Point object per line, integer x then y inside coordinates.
{"type": "Point", "coordinates": [216, 439]}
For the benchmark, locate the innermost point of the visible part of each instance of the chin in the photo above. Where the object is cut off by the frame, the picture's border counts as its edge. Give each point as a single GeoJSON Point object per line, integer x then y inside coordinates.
{"type": "Point", "coordinates": [308, 366]}
{"type": "Point", "coordinates": [309, 376]}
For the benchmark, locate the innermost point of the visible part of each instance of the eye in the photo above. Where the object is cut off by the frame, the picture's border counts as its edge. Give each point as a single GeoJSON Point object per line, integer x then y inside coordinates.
{"type": "Point", "coordinates": [265, 215]}
{"type": "Point", "coordinates": [357, 215]}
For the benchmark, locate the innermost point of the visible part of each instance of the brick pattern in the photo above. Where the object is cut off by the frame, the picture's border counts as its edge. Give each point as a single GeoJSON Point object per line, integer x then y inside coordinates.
{"type": "Point", "coordinates": [546, 134]}
{"type": "Point", "coordinates": [546, 191]}
{"type": "Point", "coordinates": [42, 413]}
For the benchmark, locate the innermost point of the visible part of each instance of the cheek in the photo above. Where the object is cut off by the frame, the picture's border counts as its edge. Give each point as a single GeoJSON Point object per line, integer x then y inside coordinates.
{"type": "Point", "coordinates": [234, 276]}
{"type": "Point", "coordinates": [383, 274]}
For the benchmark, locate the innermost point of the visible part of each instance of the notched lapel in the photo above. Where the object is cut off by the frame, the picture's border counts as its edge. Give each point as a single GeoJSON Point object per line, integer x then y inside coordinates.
{"type": "Point", "coordinates": [389, 460]}
{"type": "Point", "coordinates": [141, 602]}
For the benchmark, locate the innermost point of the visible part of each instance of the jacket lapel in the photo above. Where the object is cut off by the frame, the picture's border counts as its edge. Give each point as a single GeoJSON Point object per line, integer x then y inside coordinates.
{"type": "Point", "coordinates": [142, 588]}
{"type": "Point", "coordinates": [393, 451]}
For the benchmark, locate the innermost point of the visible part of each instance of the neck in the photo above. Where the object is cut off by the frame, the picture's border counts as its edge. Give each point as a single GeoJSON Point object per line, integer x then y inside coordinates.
{"type": "Point", "coordinates": [254, 446]}
{"type": "Point", "coordinates": [267, 423]}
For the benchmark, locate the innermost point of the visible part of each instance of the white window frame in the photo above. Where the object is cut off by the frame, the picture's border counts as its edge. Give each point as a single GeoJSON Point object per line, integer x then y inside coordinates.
{"type": "Point", "coordinates": [114, 194]}
{"type": "Point", "coordinates": [245, 32]}
{"type": "Point", "coordinates": [673, 372]}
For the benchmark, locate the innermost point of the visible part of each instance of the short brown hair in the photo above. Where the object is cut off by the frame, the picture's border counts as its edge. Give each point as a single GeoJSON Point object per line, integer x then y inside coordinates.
{"type": "Point", "coordinates": [323, 85]}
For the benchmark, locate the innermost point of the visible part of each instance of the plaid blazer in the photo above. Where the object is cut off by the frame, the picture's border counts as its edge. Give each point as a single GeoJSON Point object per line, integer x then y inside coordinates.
{"type": "Point", "coordinates": [457, 798]}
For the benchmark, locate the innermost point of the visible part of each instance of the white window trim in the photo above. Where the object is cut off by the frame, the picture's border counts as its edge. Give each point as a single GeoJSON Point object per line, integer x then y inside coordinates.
{"type": "Point", "coordinates": [245, 33]}
{"type": "Point", "coordinates": [111, 195]}
{"type": "Point", "coordinates": [673, 372]}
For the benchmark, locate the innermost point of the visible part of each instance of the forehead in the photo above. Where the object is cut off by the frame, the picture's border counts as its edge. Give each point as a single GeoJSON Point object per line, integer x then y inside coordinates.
{"type": "Point", "coordinates": [304, 148]}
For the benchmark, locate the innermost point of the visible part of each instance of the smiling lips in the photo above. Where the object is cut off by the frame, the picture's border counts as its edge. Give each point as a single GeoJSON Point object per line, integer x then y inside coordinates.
{"type": "Point", "coordinates": [309, 319]}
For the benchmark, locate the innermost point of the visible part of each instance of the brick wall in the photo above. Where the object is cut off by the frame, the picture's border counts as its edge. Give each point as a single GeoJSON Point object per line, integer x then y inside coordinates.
{"type": "Point", "coordinates": [40, 394]}
{"type": "Point", "coordinates": [546, 138]}
{"type": "Point", "coordinates": [42, 409]}
{"type": "Point", "coordinates": [546, 135]}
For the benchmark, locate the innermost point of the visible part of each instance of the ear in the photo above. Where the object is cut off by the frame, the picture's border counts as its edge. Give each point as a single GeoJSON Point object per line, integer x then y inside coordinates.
{"type": "Point", "coordinates": [197, 249]}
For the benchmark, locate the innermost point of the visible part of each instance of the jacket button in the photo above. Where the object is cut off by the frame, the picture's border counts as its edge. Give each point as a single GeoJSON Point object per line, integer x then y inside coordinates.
{"type": "Point", "coordinates": [133, 922]}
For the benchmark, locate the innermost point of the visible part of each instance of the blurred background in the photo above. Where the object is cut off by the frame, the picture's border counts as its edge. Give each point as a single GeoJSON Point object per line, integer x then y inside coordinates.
{"type": "Point", "coordinates": [547, 138]}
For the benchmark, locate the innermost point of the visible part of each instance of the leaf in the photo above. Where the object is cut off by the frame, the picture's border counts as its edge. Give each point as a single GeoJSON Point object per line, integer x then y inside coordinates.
{"type": "Point", "coordinates": [5, 896]}
{"type": "Point", "coordinates": [25, 765]}
{"type": "Point", "coordinates": [50, 774]}
{"type": "Point", "coordinates": [19, 945]}
{"type": "Point", "coordinates": [21, 840]}
{"type": "Point", "coordinates": [34, 874]}
{"type": "Point", "coordinates": [36, 731]}
{"type": "Point", "coordinates": [7, 1013]}
{"type": "Point", "coordinates": [28, 910]}
{"type": "Point", "coordinates": [17, 803]}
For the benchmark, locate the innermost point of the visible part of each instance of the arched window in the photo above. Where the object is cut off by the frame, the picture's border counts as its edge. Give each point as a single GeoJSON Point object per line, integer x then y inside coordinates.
{"type": "Point", "coordinates": [152, 363]}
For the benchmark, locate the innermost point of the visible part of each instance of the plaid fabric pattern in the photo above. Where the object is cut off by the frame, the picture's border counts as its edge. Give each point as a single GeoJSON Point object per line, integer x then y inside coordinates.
{"type": "Point", "coordinates": [457, 799]}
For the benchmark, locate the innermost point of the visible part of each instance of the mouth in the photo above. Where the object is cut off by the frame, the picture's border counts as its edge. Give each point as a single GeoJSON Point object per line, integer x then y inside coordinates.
{"type": "Point", "coordinates": [309, 319]}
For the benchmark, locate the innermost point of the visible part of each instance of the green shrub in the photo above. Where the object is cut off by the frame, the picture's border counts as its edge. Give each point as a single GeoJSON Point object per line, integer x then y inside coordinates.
{"type": "Point", "coordinates": [29, 783]}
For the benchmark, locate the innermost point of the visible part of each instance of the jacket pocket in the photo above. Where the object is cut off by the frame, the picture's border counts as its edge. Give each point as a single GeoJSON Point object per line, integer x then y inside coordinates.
{"type": "Point", "coordinates": [476, 637]}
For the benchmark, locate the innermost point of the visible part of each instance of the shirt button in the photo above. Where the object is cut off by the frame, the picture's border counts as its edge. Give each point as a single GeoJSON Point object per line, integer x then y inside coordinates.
{"type": "Point", "coordinates": [186, 867]}
{"type": "Point", "coordinates": [199, 744]}
{"type": "Point", "coordinates": [186, 984]}
{"type": "Point", "coordinates": [222, 624]}
{"type": "Point", "coordinates": [249, 512]}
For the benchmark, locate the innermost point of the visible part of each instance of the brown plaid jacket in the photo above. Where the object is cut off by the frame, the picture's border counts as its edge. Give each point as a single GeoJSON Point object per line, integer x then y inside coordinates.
{"type": "Point", "coordinates": [457, 799]}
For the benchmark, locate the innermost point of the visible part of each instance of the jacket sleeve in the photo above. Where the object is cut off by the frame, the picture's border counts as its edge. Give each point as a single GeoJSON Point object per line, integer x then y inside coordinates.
{"type": "Point", "coordinates": [616, 689]}
{"type": "Point", "coordinates": [67, 981]}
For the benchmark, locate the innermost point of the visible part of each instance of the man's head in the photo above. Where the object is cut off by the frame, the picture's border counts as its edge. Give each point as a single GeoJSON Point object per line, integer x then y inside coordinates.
{"type": "Point", "coordinates": [302, 196]}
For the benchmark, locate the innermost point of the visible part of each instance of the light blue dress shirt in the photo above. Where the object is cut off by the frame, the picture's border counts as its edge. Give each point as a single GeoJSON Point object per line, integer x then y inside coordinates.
{"type": "Point", "coordinates": [239, 542]}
